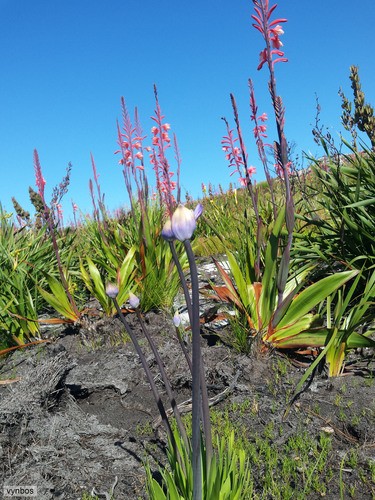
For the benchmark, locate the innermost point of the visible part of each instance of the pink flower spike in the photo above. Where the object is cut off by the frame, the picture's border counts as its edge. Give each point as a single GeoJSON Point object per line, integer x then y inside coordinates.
{"type": "Point", "coordinates": [166, 127]}
{"type": "Point", "coordinates": [263, 117]}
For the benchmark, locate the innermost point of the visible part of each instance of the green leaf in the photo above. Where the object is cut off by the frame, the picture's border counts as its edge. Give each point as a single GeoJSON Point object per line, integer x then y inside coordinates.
{"type": "Point", "coordinates": [268, 296]}
{"type": "Point", "coordinates": [58, 298]}
{"type": "Point", "coordinates": [356, 340]}
{"type": "Point", "coordinates": [313, 295]}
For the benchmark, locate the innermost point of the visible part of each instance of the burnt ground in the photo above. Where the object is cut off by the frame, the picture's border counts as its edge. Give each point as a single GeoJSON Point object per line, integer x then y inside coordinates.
{"type": "Point", "coordinates": [80, 414]}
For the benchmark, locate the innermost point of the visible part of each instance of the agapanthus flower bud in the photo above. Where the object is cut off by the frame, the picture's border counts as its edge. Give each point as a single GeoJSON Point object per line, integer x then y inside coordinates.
{"type": "Point", "coordinates": [198, 210]}
{"type": "Point", "coordinates": [183, 223]}
{"type": "Point", "coordinates": [133, 300]}
{"type": "Point", "coordinates": [167, 232]}
{"type": "Point", "coordinates": [111, 290]}
{"type": "Point", "coordinates": [176, 319]}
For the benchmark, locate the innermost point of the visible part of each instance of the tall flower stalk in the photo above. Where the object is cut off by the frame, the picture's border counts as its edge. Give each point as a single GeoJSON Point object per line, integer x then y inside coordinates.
{"type": "Point", "coordinates": [270, 55]}
{"type": "Point", "coordinates": [181, 227]}
{"type": "Point", "coordinates": [271, 31]}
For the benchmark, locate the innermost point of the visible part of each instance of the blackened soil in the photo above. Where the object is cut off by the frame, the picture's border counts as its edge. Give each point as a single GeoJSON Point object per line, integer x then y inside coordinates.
{"type": "Point", "coordinates": [81, 413]}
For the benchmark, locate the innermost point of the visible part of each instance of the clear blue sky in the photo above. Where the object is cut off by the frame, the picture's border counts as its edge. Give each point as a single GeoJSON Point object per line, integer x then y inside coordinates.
{"type": "Point", "coordinates": [65, 64]}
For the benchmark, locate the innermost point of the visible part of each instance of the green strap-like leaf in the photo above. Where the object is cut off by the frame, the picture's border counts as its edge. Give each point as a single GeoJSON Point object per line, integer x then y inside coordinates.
{"type": "Point", "coordinates": [313, 295]}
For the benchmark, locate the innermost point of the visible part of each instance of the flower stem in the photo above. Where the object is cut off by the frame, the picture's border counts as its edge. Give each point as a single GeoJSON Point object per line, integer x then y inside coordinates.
{"type": "Point", "coordinates": [199, 391]}
{"type": "Point", "coordinates": [164, 376]}
{"type": "Point", "coordinates": [149, 375]}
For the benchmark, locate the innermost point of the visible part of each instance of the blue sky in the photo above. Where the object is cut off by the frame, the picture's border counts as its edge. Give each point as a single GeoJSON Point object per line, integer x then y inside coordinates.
{"type": "Point", "coordinates": [65, 64]}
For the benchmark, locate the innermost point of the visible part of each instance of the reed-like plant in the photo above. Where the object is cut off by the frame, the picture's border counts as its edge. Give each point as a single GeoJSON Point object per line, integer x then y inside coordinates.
{"type": "Point", "coordinates": [25, 254]}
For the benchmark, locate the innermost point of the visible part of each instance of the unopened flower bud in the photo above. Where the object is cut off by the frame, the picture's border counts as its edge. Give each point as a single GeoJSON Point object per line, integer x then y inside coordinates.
{"type": "Point", "coordinates": [133, 300]}
{"type": "Point", "coordinates": [167, 232]}
{"type": "Point", "coordinates": [183, 223]}
{"type": "Point", "coordinates": [176, 319]}
{"type": "Point", "coordinates": [198, 210]}
{"type": "Point", "coordinates": [111, 290]}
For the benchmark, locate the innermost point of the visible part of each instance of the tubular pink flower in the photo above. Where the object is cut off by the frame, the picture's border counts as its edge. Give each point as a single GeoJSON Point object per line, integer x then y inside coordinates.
{"type": "Point", "coordinates": [276, 42]}
{"type": "Point", "coordinates": [251, 170]}
{"type": "Point", "coordinates": [262, 59]}
{"type": "Point", "coordinates": [277, 30]}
